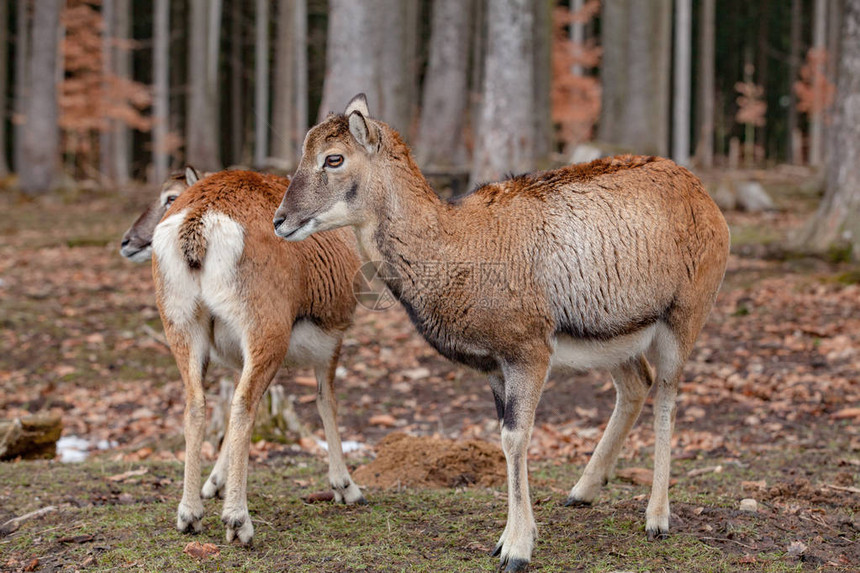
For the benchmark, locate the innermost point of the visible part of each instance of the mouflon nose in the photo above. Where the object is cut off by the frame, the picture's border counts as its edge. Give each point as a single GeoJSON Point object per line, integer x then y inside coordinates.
{"type": "Point", "coordinates": [278, 220]}
{"type": "Point", "coordinates": [125, 242]}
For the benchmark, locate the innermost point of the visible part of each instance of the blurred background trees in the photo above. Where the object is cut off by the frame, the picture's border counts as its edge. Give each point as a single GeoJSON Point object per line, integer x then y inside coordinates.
{"type": "Point", "coordinates": [115, 90]}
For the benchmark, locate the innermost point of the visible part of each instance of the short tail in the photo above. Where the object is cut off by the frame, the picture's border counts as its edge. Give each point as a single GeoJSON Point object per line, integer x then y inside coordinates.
{"type": "Point", "coordinates": [192, 240]}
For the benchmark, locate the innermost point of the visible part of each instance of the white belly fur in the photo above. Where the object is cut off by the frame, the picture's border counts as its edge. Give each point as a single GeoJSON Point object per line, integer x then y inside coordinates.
{"type": "Point", "coordinates": [575, 354]}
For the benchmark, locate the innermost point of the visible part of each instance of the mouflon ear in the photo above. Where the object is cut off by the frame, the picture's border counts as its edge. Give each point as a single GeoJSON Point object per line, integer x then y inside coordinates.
{"type": "Point", "coordinates": [359, 104]}
{"type": "Point", "coordinates": [365, 134]}
{"type": "Point", "coordinates": [191, 176]}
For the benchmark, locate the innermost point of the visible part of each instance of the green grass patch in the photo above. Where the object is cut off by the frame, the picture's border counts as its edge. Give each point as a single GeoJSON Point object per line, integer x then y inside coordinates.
{"type": "Point", "coordinates": [132, 524]}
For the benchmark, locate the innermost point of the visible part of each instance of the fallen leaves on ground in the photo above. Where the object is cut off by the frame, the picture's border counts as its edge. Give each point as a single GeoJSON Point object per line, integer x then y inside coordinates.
{"type": "Point", "coordinates": [201, 550]}
{"type": "Point", "coordinates": [779, 356]}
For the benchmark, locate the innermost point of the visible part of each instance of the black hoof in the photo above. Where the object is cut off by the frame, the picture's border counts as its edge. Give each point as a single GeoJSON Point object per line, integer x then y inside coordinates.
{"type": "Point", "coordinates": [191, 529]}
{"type": "Point", "coordinates": [497, 551]}
{"type": "Point", "coordinates": [361, 501]}
{"type": "Point", "coordinates": [573, 502]}
{"type": "Point", "coordinates": [234, 523]}
{"type": "Point", "coordinates": [657, 535]}
{"type": "Point", "coordinates": [516, 565]}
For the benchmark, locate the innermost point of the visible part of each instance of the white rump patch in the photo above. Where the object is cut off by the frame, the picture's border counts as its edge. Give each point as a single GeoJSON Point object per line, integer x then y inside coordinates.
{"type": "Point", "coordinates": [219, 282]}
{"type": "Point", "coordinates": [215, 285]}
{"type": "Point", "coordinates": [181, 287]}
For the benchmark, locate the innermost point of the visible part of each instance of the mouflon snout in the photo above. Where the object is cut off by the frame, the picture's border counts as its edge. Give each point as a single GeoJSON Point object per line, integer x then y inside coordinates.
{"type": "Point", "coordinates": [290, 220]}
{"type": "Point", "coordinates": [132, 245]}
{"type": "Point", "coordinates": [283, 227]}
{"type": "Point", "coordinates": [137, 241]}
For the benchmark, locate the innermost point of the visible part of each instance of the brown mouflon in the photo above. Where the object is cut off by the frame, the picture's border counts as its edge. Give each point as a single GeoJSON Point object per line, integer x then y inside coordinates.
{"type": "Point", "coordinates": [229, 290]}
{"type": "Point", "coordinates": [612, 264]}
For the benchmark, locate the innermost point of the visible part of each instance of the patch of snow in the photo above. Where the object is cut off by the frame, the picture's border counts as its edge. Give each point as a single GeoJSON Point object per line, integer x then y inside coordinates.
{"type": "Point", "coordinates": [72, 449]}
{"type": "Point", "coordinates": [348, 445]}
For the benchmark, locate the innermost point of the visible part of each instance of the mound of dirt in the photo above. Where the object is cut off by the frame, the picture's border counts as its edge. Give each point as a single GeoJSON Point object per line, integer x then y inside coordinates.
{"type": "Point", "coordinates": [411, 461]}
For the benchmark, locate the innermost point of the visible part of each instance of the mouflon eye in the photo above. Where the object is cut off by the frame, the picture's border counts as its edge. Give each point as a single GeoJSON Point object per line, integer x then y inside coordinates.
{"type": "Point", "coordinates": [170, 199]}
{"type": "Point", "coordinates": [334, 160]}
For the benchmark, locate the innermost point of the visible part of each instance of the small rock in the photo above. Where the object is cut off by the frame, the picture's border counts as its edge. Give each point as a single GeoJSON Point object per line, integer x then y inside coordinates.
{"type": "Point", "coordinates": [750, 505]}
{"type": "Point", "coordinates": [416, 373]}
{"type": "Point", "coordinates": [125, 499]}
{"type": "Point", "coordinates": [752, 197]}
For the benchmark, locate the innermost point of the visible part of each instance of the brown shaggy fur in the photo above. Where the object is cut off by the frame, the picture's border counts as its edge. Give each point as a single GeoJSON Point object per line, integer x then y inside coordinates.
{"type": "Point", "coordinates": [595, 265]}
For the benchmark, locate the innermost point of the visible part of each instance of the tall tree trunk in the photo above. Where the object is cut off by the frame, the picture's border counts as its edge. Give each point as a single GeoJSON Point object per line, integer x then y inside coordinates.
{"type": "Point", "coordinates": [636, 64]}
{"type": "Point", "coordinates": [161, 98]}
{"type": "Point", "coordinates": [4, 69]}
{"type": "Point", "coordinates": [261, 83]}
{"type": "Point", "coordinates": [213, 65]}
{"type": "Point", "coordinates": [542, 62]}
{"type": "Point", "coordinates": [506, 129]}
{"type": "Point", "coordinates": [237, 92]}
{"type": "Point", "coordinates": [795, 154]}
{"type": "Point", "coordinates": [837, 221]}
{"type": "Point", "coordinates": [761, 67]}
{"type": "Point", "coordinates": [350, 57]}
{"type": "Point", "coordinates": [106, 133]}
{"type": "Point", "coordinates": [178, 76]}
{"type": "Point", "coordinates": [396, 52]}
{"type": "Point", "coordinates": [114, 137]}
{"type": "Point", "coordinates": [819, 41]}
{"type": "Point", "coordinates": [370, 49]}
{"type": "Point", "coordinates": [283, 111]}
{"type": "Point", "coordinates": [834, 21]}
{"type": "Point", "coordinates": [122, 59]}
{"type": "Point", "coordinates": [202, 149]}
{"type": "Point", "coordinates": [613, 77]}
{"type": "Point", "coordinates": [705, 151]}
{"type": "Point", "coordinates": [577, 34]}
{"type": "Point", "coordinates": [22, 80]}
{"type": "Point", "coordinates": [476, 75]}
{"type": "Point", "coordinates": [40, 152]}
{"type": "Point", "coordinates": [681, 111]}
{"type": "Point", "coordinates": [300, 36]}
{"type": "Point", "coordinates": [446, 87]}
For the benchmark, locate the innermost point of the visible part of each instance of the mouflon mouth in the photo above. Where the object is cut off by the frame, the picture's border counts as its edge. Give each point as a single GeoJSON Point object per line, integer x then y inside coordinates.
{"type": "Point", "coordinates": [136, 254]}
{"type": "Point", "coordinates": [301, 231]}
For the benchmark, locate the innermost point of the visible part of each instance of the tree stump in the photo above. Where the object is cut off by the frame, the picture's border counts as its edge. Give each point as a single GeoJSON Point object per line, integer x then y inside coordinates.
{"type": "Point", "coordinates": [31, 437]}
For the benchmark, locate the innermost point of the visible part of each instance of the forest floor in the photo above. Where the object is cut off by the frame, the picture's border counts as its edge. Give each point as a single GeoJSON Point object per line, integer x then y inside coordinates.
{"type": "Point", "coordinates": [769, 410]}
